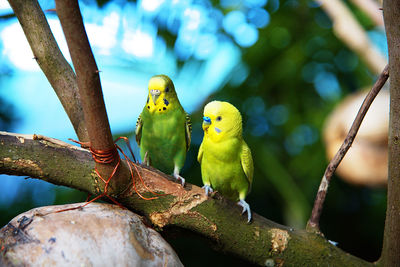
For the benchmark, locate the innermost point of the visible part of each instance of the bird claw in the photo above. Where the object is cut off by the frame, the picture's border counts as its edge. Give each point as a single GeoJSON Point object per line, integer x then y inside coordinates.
{"type": "Point", "coordinates": [178, 177]}
{"type": "Point", "coordinates": [246, 207]}
{"type": "Point", "coordinates": [207, 189]}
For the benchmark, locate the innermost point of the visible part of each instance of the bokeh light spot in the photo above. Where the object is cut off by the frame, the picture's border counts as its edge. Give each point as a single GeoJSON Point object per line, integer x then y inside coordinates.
{"type": "Point", "coordinates": [233, 20]}
{"type": "Point", "coordinates": [323, 56]}
{"type": "Point", "coordinates": [302, 135]}
{"type": "Point", "coordinates": [346, 61]}
{"type": "Point", "coordinates": [327, 85]}
{"type": "Point", "coordinates": [278, 114]}
{"type": "Point", "coordinates": [206, 46]}
{"type": "Point", "coordinates": [259, 17]}
{"type": "Point", "coordinates": [246, 35]}
{"type": "Point", "coordinates": [151, 5]}
{"type": "Point", "coordinates": [254, 106]}
{"type": "Point", "coordinates": [322, 19]}
{"type": "Point", "coordinates": [239, 75]}
{"type": "Point", "coordinates": [230, 3]}
{"type": "Point", "coordinates": [138, 43]}
{"type": "Point", "coordinates": [280, 37]}
{"type": "Point", "coordinates": [255, 3]}
{"type": "Point", "coordinates": [314, 44]}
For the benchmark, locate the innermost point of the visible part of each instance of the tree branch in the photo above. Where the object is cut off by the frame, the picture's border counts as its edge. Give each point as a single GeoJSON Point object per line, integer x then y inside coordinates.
{"type": "Point", "coordinates": [313, 223]}
{"type": "Point", "coordinates": [261, 242]}
{"type": "Point", "coordinates": [350, 31]}
{"type": "Point", "coordinates": [89, 87]}
{"type": "Point", "coordinates": [371, 9]}
{"type": "Point", "coordinates": [87, 74]}
{"type": "Point", "coordinates": [391, 239]}
{"type": "Point", "coordinates": [50, 59]}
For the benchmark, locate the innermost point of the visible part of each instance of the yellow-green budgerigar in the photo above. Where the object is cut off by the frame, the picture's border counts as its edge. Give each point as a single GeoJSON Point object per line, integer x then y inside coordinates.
{"type": "Point", "coordinates": [163, 129]}
{"type": "Point", "coordinates": [225, 159]}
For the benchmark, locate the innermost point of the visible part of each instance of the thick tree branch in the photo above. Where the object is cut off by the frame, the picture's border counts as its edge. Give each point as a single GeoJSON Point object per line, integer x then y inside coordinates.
{"type": "Point", "coordinates": [87, 74]}
{"type": "Point", "coordinates": [50, 59]}
{"type": "Point", "coordinates": [313, 222]}
{"type": "Point", "coordinates": [391, 239]}
{"type": "Point", "coordinates": [262, 242]}
{"type": "Point", "coordinates": [89, 86]}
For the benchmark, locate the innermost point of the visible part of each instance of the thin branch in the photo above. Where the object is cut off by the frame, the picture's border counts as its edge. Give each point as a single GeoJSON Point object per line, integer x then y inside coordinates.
{"type": "Point", "coordinates": [50, 59]}
{"type": "Point", "coordinates": [313, 222]}
{"type": "Point", "coordinates": [262, 242]}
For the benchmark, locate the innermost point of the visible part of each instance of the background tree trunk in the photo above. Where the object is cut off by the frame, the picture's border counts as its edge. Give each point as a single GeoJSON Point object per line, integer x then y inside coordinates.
{"type": "Point", "coordinates": [391, 243]}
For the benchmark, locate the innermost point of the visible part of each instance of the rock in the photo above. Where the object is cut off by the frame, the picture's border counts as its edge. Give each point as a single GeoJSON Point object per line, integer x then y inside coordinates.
{"type": "Point", "coordinates": [96, 235]}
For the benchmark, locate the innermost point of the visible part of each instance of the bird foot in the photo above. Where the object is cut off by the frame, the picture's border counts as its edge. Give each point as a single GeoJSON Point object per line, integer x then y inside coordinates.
{"type": "Point", "coordinates": [178, 177]}
{"type": "Point", "coordinates": [207, 189]}
{"type": "Point", "coordinates": [246, 207]}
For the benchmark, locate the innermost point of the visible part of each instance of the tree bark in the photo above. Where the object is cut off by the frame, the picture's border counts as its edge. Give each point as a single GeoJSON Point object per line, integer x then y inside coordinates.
{"type": "Point", "coordinates": [391, 240]}
{"type": "Point", "coordinates": [87, 74]}
{"type": "Point", "coordinates": [101, 141]}
{"type": "Point", "coordinates": [50, 59]}
{"type": "Point", "coordinates": [262, 242]}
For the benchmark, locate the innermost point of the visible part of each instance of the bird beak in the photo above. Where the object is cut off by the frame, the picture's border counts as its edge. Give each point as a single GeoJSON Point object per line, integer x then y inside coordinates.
{"type": "Point", "coordinates": [154, 95]}
{"type": "Point", "coordinates": [206, 121]}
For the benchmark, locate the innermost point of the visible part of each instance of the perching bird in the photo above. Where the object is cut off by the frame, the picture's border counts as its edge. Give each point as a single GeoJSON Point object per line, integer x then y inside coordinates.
{"type": "Point", "coordinates": [225, 159]}
{"type": "Point", "coordinates": [163, 129]}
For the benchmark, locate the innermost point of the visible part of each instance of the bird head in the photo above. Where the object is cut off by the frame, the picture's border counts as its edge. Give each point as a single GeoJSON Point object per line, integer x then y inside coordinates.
{"type": "Point", "coordinates": [162, 94]}
{"type": "Point", "coordinates": [221, 120]}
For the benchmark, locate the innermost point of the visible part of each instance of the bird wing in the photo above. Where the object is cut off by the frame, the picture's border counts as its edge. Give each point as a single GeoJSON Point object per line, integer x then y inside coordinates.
{"type": "Point", "coordinates": [138, 131]}
{"type": "Point", "coordinates": [247, 162]}
{"type": "Point", "coordinates": [188, 130]}
{"type": "Point", "coordinates": [200, 154]}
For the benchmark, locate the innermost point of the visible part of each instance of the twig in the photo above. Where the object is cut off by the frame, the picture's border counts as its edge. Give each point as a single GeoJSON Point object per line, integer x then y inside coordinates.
{"type": "Point", "coordinates": [313, 222]}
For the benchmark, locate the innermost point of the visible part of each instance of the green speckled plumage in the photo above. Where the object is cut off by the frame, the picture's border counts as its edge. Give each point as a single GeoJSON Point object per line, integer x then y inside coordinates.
{"type": "Point", "coordinates": [163, 128]}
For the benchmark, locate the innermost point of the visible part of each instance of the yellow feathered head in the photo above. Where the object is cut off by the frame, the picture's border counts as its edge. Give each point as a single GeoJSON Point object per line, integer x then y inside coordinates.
{"type": "Point", "coordinates": [221, 120]}
{"type": "Point", "coordinates": [162, 95]}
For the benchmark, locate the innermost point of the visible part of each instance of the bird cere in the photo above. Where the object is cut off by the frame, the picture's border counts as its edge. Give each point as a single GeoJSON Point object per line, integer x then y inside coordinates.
{"type": "Point", "coordinates": [163, 133]}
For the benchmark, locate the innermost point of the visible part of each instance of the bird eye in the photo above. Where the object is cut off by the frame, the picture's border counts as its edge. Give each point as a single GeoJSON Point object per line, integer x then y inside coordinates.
{"type": "Point", "coordinates": [218, 118]}
{"type": "Point", "coordinates": [167, 89]}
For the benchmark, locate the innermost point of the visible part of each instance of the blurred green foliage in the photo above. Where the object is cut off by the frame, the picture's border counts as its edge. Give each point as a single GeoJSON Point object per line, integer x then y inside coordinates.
{"type": "Point", "coordinates": [284, 107]}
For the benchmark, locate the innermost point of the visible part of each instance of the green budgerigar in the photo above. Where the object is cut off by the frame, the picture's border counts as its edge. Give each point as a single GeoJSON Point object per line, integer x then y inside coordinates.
{"type": "Point", "coordinates": [163, 129]}
{"type": "Point", "coordinates": [225, 159]}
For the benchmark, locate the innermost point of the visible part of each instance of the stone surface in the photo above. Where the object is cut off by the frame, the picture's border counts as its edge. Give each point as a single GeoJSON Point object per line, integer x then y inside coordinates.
{"type": "Point", "coordinates": [96, 235]}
